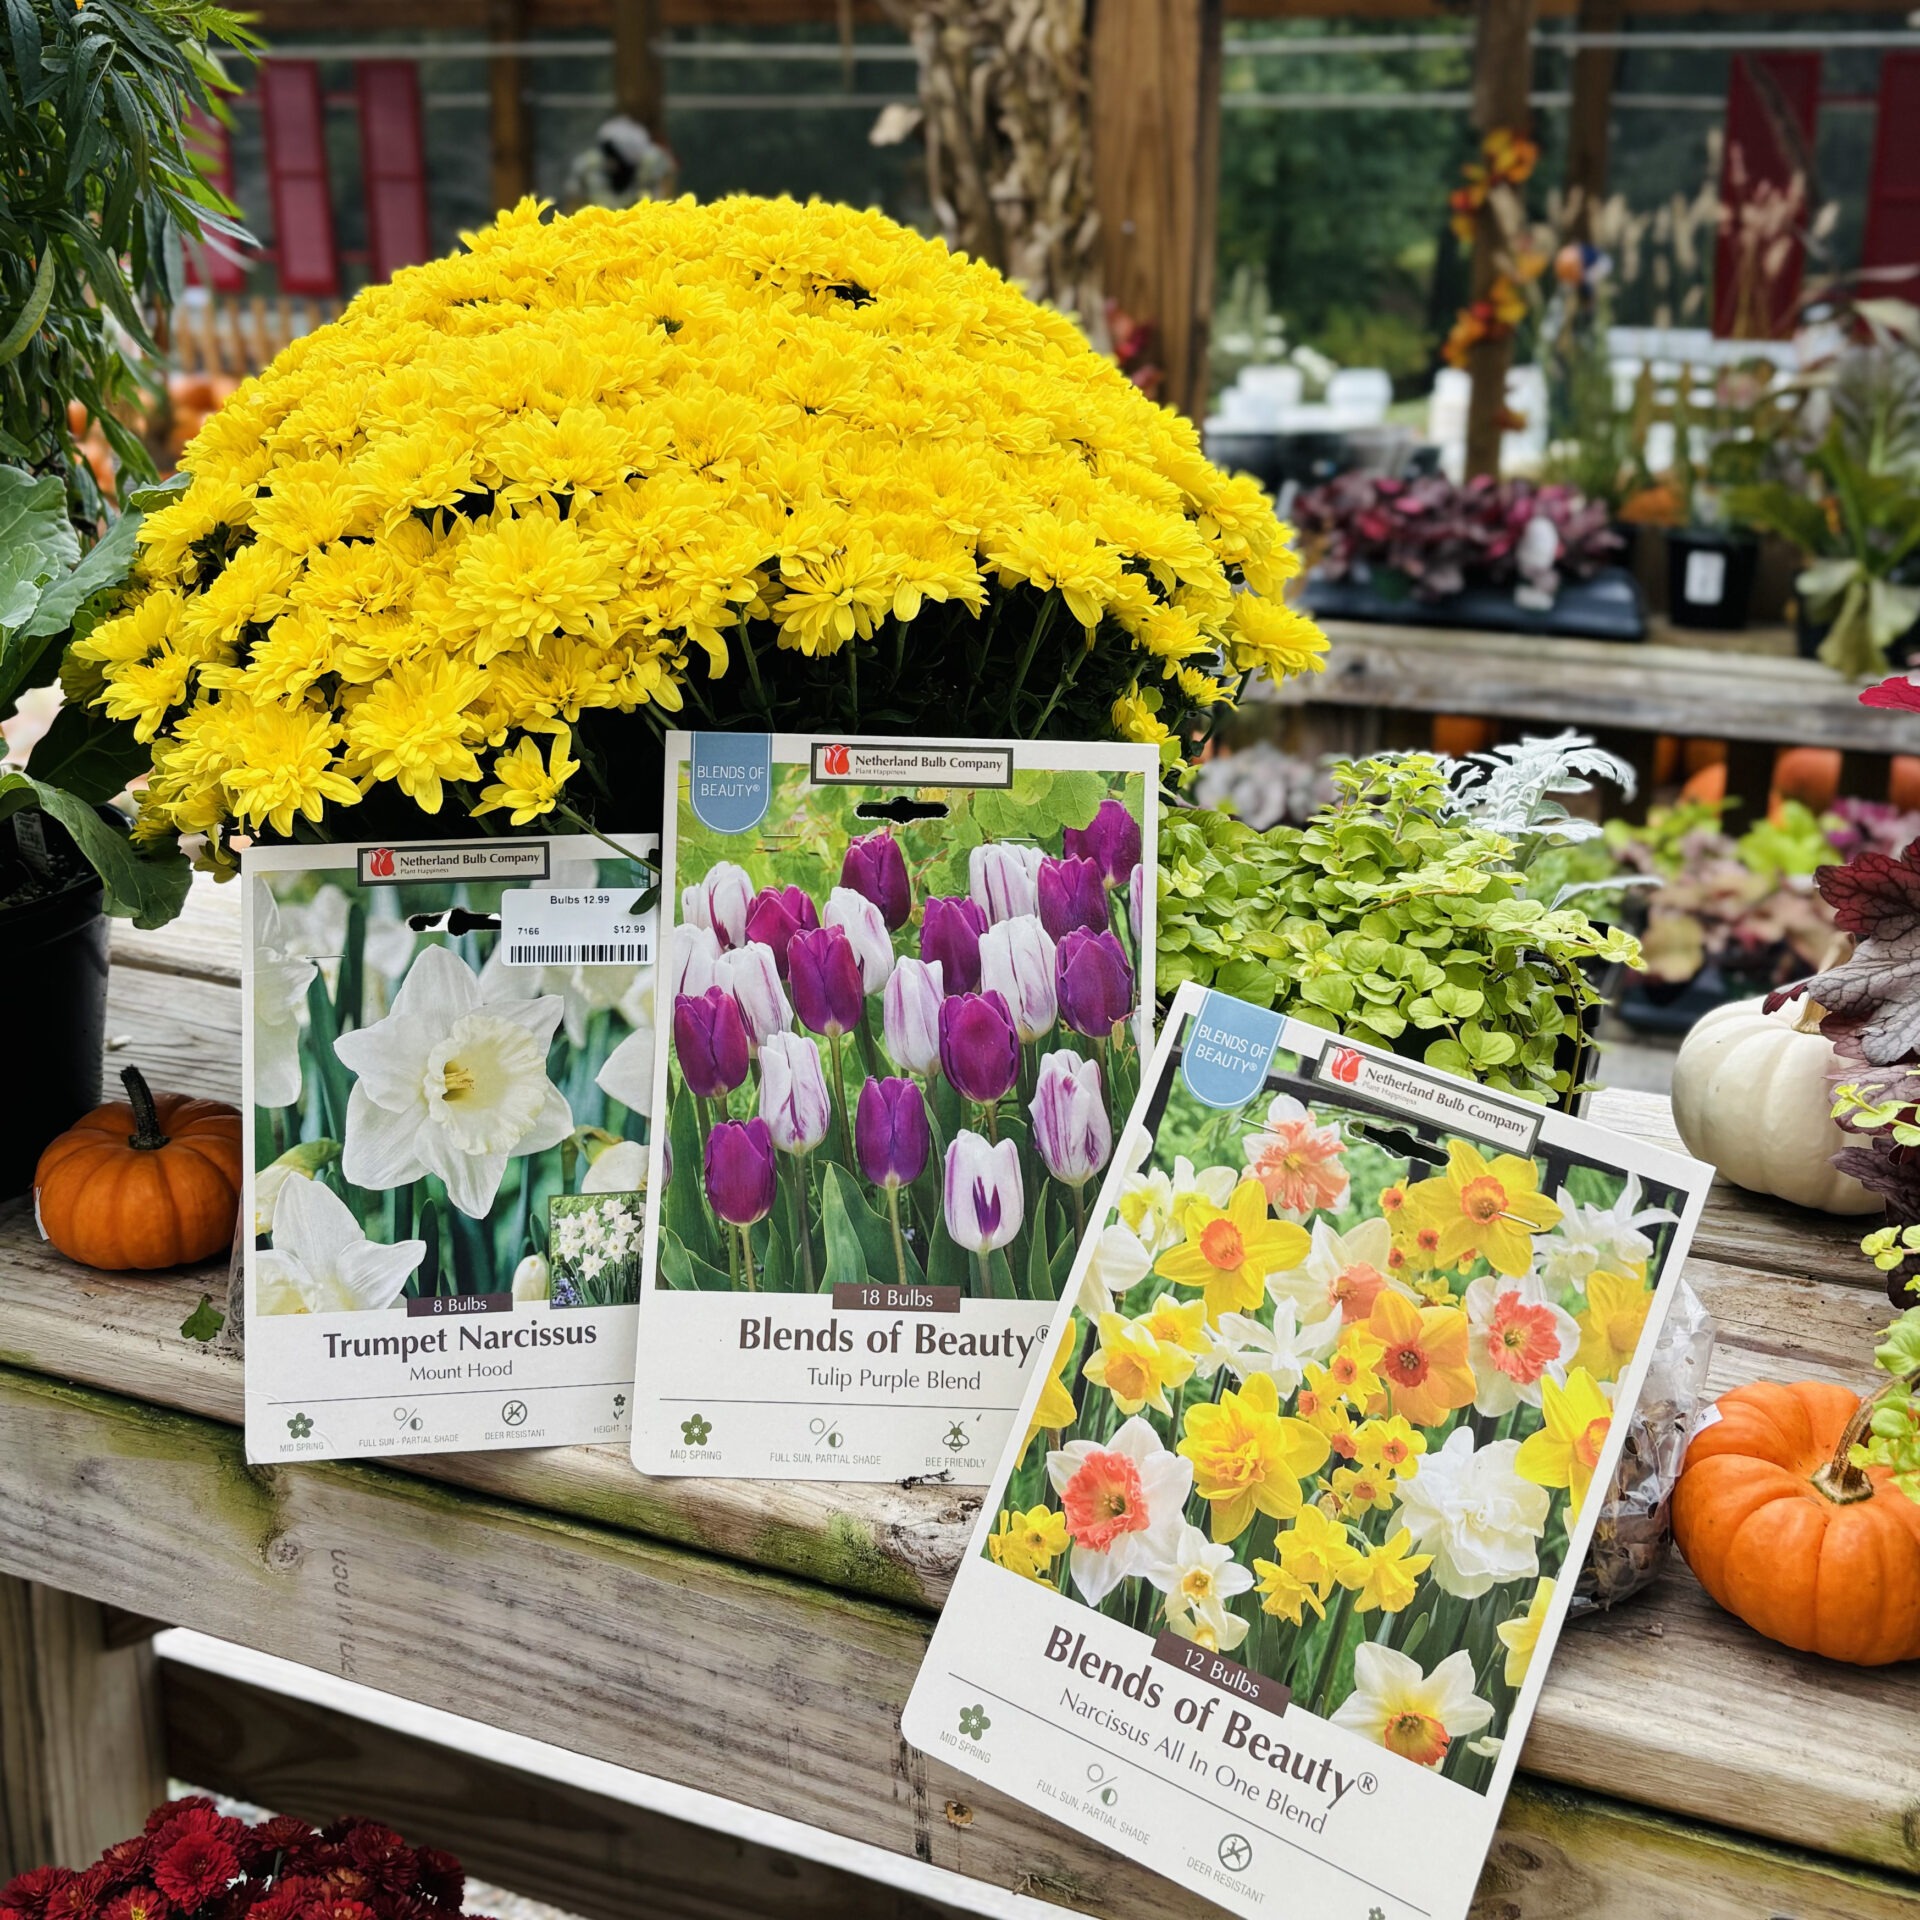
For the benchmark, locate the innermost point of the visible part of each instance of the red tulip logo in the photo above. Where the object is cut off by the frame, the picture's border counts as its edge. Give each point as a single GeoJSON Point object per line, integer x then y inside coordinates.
{"type": "Point", "coordinates": [1344, 1067]}
{"type": "Point", "coordinates": [834, 760]}
{"type": "Point", "coordinates": [380, 863]}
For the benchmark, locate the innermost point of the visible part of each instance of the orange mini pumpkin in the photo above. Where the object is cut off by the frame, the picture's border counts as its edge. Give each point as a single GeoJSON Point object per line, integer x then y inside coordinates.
{"type": "Point", "coordinates": [1790, 1537]}
{"type": "Point", "coordinates": [143, 1182]}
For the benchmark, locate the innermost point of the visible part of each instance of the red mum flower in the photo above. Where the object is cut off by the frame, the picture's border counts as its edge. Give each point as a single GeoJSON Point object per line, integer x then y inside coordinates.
{"type": "Point", "coordinates": [338, 1910]}
{"type": "Point", "coordinates": [385, 1858]}
{"type": "Point", "coordinates": [279, 1846]}
{"type": "Point", "coordinates": [440, 1877]}
{"type": "Point", "coordinates": [126, 1859]}
{"type": "Point", "coordinates": [81, 1897]}
{"type": "Point", "coordinates": [170, 1810]}
{"type": "Point", "coordinates": [29, 1892]}
{"type": "Point", "coordinates": [139, 1903]}
{"type": "Point", "coordinates": [193, 1866]}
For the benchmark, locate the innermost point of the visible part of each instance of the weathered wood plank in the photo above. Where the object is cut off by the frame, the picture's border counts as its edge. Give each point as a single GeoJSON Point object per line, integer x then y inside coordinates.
{"type": "Point", "coordinates": [559, 1843]}
{"type": "Point", "coordinates": [204, 942]}
{"type": "Point", "coordinates": [774, 1692]}
{"type": "Point", "coordinates": [80, 1746]}
{"type": "Point", "coordinates": [182, 1032]}
{"type": "Point", "coordinates": [1559, 1855]}
{"type": "Point", "coordinates": [1750, 1229]}
{"type": "Point", "coordinates": [1569, 1856]}
{"type": "Point", "coordinates": [1593, 683]}
{"type": "Point", "coordinates": [122, 1332]}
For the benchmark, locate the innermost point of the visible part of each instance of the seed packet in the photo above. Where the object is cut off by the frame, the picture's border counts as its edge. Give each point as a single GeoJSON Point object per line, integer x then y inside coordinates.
{"type": "Point", "coordinates": [1274, 1562]}
{"type": "Point", "coordinates": [448, 1062]}
{"type": "Point", "coordinates": [901, 1012]}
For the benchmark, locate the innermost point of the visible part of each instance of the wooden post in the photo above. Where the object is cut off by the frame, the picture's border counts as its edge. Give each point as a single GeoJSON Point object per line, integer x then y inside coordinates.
{"type": "Point", "coordinates": [1589, 123]}
{"type": "Point", "coordinates": [637, 88]}
{"type": "Point", "coordinates": [81, 1761]}
{"type": "Point", "coordinates": [511, 123]}
{"type": "Point", "coordinates": [1502, 84]}
{"type": "Point", "coordinates": [1155, 88]}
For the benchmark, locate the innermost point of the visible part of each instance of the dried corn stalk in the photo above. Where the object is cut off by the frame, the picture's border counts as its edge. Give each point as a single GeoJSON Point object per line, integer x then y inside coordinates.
{"type": "Point", "coordinates": [1005, 111]}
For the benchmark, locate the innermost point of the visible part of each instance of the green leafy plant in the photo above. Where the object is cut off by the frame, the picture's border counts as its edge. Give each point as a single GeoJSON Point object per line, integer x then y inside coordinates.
{"type": "Point", "coordinates": [1893, 1430]}
{"type": "Point", "coordinates": [1389, 917]}
{"type": "Point", "coordinates": [102, 192]}
{"type": "Point", "coordinates": [1856, 515]}
{"type": "Point", "coordinates": [49, 594]}
{"type": "Point", "coordinates": [1746, 905]}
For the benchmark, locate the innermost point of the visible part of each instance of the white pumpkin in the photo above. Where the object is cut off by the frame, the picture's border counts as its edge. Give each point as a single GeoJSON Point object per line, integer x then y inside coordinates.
{"type": "Point", "coordinates": [1752, 1094]}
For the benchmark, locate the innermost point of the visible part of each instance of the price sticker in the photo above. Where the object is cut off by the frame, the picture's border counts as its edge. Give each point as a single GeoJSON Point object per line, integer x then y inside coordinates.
{"type": "Point", "coordinates": [576, 927]}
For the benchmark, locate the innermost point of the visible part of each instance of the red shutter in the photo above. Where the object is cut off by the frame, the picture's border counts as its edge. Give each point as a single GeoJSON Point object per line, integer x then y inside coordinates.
{"type": "Point", "coordinates": [1893, 192]}
{"type": "Point", "coordinates": [294, 118]}
{"type": "Point", "coordinates": [1773, 100]}
{"type": "Point", "coordinates": [393, 162]}
{"type": "Point", "coordinates": [213, 264]}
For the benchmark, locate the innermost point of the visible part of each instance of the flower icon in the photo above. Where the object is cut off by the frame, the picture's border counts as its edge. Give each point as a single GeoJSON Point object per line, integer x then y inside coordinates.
{"type": "Point", "coordinates": [1376, 1913]}
{"type": "Point", "coordinates": [973, 1722]}
{"type": "Point", "coordinates": [299, 1426]}
{"type": "Point", "coordinates": [694, 1432]}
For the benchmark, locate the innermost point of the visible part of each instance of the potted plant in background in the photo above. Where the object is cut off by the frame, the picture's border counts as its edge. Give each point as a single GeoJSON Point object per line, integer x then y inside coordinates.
{"type": "Point", "coordinates": [101, 194]}
{"type": "Point", "coordinates": [1729, 918]}
{"type": "Point", "coordinates": [1853, 511]}
{"type": "Point", "coordinates": [1512, 555]}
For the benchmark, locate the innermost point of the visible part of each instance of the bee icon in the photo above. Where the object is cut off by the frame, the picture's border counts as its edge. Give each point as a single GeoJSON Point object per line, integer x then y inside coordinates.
{"type": "Point", "coordinates": [956, 1437]}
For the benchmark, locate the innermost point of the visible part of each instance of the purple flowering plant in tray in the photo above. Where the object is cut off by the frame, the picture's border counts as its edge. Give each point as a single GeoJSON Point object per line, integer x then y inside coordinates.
{"type": "Point", "coordinates": [900, 1047]}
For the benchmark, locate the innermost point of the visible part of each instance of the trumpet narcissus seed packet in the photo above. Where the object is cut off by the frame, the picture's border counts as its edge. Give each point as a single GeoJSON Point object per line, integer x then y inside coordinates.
{"type": "Point", "coordinates": [448, 1065]}
{"type": "Point", "coordinates": [901, 1007]}
{"type": "Point", "coordinates": [1270, 1573]}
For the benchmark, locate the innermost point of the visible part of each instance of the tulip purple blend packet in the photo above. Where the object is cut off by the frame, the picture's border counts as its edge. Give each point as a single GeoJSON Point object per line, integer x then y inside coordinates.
{"type": "Point", "coordinates": [900, 1002]}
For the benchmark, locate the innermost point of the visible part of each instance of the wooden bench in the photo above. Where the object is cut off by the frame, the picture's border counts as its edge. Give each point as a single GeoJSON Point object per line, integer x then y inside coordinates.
{"type": "Point", "coordinates": [757, 1641]}
{"type": "Point", "coordinates": [1383, 685]}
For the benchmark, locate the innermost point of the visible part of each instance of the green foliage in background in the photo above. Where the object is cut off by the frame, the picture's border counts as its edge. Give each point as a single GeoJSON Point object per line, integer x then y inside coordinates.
{"type": "Point", "coordinates": [1389, 921]}
{"type": "Point", "coordinates": [102, 192]}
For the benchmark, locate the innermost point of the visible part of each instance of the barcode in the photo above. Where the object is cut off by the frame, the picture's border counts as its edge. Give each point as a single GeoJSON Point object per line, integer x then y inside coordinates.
{"type": "Point", "coordinates": [573, 953]}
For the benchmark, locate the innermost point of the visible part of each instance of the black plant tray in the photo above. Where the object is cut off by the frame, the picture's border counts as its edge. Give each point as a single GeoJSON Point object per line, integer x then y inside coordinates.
{"type": "Point", "coordinates": [1607, 607]}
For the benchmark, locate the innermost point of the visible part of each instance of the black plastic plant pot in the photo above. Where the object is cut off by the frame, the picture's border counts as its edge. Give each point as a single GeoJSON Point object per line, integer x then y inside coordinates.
{"type": "Point", "coordinates": [1607, 607]}
{"type": "Point", "coordinates": [53, 985]}
{"type": "Point", "coordinates": [1810, 636]}
{"type": "Point", "coordinates": [1672, 1006]}
{"type": "Point", "coordinates": [1710, 578]}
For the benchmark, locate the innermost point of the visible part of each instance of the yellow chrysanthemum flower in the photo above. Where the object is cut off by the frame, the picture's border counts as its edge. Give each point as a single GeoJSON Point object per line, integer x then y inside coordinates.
{"type": "Point", "coordinates": [637, 441]}
{"type": "Point", "coordinates": [526, 786]}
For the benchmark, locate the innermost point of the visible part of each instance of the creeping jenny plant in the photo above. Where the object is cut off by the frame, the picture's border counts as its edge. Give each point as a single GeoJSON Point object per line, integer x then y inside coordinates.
{"type": "Point", "coordinates": [1386, 918]}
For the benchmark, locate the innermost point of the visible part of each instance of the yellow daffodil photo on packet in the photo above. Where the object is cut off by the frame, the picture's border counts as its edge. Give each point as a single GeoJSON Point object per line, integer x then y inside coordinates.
{"type": "Point", "coordinates": [448, 1059]}
{"type": "Point", "coordinates": [1275, 1560]}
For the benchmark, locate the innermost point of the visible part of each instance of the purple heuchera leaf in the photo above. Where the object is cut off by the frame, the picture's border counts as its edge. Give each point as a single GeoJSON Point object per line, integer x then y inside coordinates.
{"type": "Point", "coordinates": [1443, 537]}
{"type": "Point", "coordinates": [1873, 998]}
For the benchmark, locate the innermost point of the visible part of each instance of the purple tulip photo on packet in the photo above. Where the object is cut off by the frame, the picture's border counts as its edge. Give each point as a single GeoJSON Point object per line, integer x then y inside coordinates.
{"type": "Point", "coordinates": [900, 1030]}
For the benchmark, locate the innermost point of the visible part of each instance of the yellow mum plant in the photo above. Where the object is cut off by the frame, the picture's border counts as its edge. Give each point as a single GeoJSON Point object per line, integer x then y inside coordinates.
{"type": "Point", "coordinates": [750, 464]}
